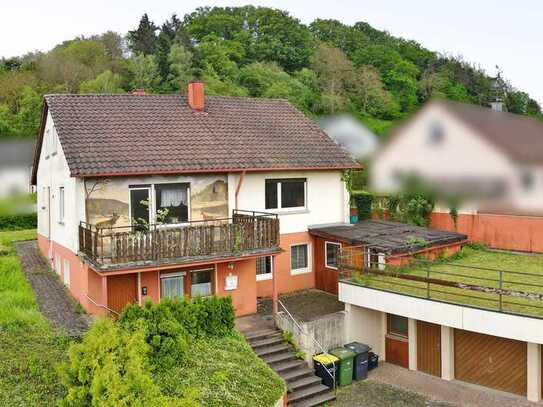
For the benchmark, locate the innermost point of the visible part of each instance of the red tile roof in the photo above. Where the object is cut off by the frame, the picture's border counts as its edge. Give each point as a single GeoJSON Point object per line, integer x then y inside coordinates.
{"type": "Point", "coordinates": [108, 135]}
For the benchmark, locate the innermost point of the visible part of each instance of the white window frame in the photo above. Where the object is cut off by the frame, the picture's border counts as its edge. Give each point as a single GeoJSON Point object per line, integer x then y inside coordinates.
{"type": "Point", "coordinates": [279, 207]}
{"type": "Point", "coordinates": [66, 273]}
{"type": "Point", "coordinates": [304, 270]}
{"type": "Point", "coordinates": [181, 274]}
{"type": "Point", "coordinates": [326, 243]}
{"type": "Point", "coordinates": [266, 276]}
{"type": "Point", "coordinates": [61, 204]}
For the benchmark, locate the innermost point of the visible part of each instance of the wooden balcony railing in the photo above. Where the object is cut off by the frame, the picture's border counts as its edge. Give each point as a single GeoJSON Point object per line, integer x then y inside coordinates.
{"type": "Point", "coordinates": [244, 232]}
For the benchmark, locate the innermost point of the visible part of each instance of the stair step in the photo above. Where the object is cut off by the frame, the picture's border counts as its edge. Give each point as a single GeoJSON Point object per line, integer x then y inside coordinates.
{"type": "Point", "coordinates": [291, 364]}
{"type": "Point", "coordinates": [267, 342]}
{"type": "Point", "coordinates": [304, 381]}
{"type": "Point", "coordinates": [271, 349]}
{"type": "Point", "coordinates": [292, 375]}
{"type": "Point", "coordinates": [307, 392]}
{"type": "Point", "coordinates": [252, 335]}
{"type": "Point", "coordinates": [314, 400]}
{"type": "Point", "coordinates": [278, 357]}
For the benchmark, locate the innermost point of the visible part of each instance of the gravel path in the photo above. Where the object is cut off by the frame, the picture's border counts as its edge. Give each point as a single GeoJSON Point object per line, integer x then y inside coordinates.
{"type": "Point", "coordinates": [53, 298]}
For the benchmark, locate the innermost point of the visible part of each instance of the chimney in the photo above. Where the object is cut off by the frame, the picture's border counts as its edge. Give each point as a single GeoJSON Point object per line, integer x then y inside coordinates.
{"type": "Point", "coordinates": [138, 92]}
{"type": "Point", "coordinates": [196, 97]}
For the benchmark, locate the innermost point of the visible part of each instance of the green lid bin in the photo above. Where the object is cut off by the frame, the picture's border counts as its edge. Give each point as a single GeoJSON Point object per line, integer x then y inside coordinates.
{"type": "Point", "coordinates": [345, 369]}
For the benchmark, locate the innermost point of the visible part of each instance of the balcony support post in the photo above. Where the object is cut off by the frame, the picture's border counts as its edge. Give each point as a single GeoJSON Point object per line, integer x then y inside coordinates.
{"type": "Point", "coordinates": [274, 286]}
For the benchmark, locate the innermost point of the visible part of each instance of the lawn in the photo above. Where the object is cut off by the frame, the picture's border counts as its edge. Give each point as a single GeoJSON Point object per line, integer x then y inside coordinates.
{"type": "Point", "coordinates": [30, 349]}
{"type": "Point", "coordinates": [477, 266]}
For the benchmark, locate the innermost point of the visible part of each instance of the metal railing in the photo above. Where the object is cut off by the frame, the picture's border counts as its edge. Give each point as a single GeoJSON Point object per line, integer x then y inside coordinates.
{"type": "Point", "coordinates": [301, 332]}
{"type": "Point", "coordinates": [245, 231]}
{"type": "Point", "coordinates": [505, 291]}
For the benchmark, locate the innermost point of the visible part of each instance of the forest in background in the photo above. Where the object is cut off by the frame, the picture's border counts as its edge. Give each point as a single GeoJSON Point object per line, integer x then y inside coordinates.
{"type": "Point", "coordinates": [325, 67]}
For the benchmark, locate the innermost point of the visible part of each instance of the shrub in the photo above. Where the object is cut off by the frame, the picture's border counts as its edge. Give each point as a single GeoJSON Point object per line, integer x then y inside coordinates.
{"type": "Point", "coordinates": [166, 336]}
{"type": "Point", "coordinates": [363, 201]}
{"type": "Point", "coordinates": [18, 221]}
{"type": "Point", "coordinates": [109, 368]}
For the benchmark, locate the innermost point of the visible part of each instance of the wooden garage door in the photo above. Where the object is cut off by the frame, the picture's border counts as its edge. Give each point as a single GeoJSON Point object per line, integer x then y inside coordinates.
{"type": "Point", "coordinates": [429, 348]}
{"type": "Point", "coordinates": [490, 361]}
{"type": "Point", "coordinates": [121, 290]}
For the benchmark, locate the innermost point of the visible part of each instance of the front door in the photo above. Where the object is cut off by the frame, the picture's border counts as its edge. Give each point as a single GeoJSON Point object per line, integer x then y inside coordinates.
{"type": "Point", "coordinates": [397, 341]}
{"type": "Point", "coordinates": [429, 348]}
{"type": "Point", "coordinates": [122, 290]}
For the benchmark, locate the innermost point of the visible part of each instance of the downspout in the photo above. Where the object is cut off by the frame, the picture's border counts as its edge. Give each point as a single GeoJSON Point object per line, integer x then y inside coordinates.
{"type": "Point", "coordinates": [241, 178]}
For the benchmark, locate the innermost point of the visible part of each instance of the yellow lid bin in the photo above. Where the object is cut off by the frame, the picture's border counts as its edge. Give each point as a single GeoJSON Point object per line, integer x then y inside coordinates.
{"type": "Point", "coordinates": [325, 359]}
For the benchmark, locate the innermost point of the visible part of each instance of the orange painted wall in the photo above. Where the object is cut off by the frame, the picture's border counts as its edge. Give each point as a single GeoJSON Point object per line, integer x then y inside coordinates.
{"type": "Point", "coordinates": [431, 253]}
{"type": "Point", "coordinates": [244, 297]}
{"type": "Point", "coordinates": [287, 282]}
{"type": "Point", "coordinates": [512, 232]}
{"type": "Point", "coordinates": [97, 291]}
{"type": "Point", "coordinates": [150, 279]}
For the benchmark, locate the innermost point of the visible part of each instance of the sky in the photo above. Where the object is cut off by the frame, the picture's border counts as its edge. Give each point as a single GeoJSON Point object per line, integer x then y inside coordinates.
{"type": "Point", "coordinates": [506, 33]}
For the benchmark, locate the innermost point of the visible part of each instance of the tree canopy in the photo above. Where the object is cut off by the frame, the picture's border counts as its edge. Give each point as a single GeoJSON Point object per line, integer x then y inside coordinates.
{"type": "Point", "coordinates": [321, 68]}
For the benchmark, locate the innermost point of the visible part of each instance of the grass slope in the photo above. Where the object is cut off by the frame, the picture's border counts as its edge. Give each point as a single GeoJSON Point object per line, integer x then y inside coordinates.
{"type": "Point", "coordinates": [510, 264]}
{"type": "Point", "coordinates": [30, 349]}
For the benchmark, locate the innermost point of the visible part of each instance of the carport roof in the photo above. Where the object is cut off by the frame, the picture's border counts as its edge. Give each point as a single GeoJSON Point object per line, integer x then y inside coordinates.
{"type": "Point", "coordinates": [387, 236]}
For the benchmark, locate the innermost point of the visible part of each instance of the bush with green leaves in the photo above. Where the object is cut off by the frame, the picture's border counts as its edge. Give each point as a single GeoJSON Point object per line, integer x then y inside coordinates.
{"type": "Point", "coordinates": [110, 368]}
{"type": "Point", "coordinates": [20, 221]}
{"type": "Point", "coordinates": [363, 201]}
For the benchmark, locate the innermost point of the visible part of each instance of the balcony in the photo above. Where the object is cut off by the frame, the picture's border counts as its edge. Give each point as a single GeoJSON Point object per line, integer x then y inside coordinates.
{"type": "Point", "coordinates": [476, 278]}
{"type": "Point", "coordinates": [246, 233]}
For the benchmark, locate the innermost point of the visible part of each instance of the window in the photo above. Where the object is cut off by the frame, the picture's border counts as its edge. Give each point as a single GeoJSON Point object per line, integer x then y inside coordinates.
{"type": "Point", "coordinates": [172, 203]}
{"type": "Point", "coordinates": [264, 268]}
{"type": "Point", "coordinates": [397, 325]}
{"type": "Point", "coordinates": [332, 254]}
{"type": "Point", "coordinates": [139, 205]}
{"type": "Point", "coordinates": [66, 273]}
{"type": "Point", "coordinates": [286, 193]}
{"type": "Point", "coordinates": [437, 133]}
{"type": "Point", "coordinates": [527, 179]}
{"type": "Point", "coordinates": [58, 264]}
{"type": "Point", "coordinates": [61, 205]}
{"type": "Point", "coordinates": [54, 143]}
{"type": "Point", "coordinates": [201, 283]}
{"type": "Point", "coordinates": [299, 259]}
{"type": "Point", "coordinates": [172, 285]}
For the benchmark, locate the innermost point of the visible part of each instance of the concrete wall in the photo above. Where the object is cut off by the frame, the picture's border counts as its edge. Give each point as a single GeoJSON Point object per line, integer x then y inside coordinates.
{"type": "Point", "coordinates": [328, 331]}
{"type": "Point", "coordinates": [366, 326]}
{"type": "Point", "coordinates": [455, 316]}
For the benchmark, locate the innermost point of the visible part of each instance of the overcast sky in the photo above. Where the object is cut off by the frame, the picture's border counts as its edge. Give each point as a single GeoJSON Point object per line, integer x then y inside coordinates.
{"type": "Point", "coordinates": [507, 33]}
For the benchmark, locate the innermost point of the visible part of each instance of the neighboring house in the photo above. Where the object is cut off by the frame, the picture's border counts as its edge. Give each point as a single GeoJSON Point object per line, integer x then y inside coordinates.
{"type": "Point", "coordinates": [348, 132]}
{"type": "Point", "coordinates": [152, 196]}
{"type": "Point", "coordinates": [491, 160]}
{"type": "Point", "coordinates": [15, 167]}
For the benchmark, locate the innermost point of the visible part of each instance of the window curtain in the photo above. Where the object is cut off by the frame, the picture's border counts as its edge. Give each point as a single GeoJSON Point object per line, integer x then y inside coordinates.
{"type": "Point", "coordinates": [171, 287]}
{"type": "Point", "coordinates": [172, 196]}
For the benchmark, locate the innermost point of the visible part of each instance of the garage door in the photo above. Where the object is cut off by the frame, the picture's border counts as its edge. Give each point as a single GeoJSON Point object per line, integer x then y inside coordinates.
{"type": "Point", "coordinates": [429, 348]}
{"type": "Point", "coordinates": [121, 290]}
{"type": "Point", "coordinates": [490, 361]}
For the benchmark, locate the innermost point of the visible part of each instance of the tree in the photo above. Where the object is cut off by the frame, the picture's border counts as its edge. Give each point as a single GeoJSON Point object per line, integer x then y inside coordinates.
{"type": "Point", "coordinates": [144, 72]}
{"type": "Point", "coordinates": [335, 33]}
{"type": "Point", "coordinates": [106, 82]}
{"type": "Point", "coordinates": [369, 95]}
{"type": "Point", "coordinates": [221, 56]}
{"type": "Point", "coordinates": [335, 72]}
{"type": "Point", "coordinates": [143, 39]}
{"type": "Point", "coordinates": [180, 67]}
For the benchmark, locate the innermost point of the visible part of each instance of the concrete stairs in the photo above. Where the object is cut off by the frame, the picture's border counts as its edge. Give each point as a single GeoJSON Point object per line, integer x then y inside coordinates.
{"type": "Point", "coordinates": [304, 387]}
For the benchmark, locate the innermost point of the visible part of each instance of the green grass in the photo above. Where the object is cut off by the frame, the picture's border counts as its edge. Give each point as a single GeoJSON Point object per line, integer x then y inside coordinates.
{"type": "Point", "coordinates": [509, 263]}
{"type": "Point", "coordinates": [29, 348]}
{"type": "Point", "coordinates": [223, 372]}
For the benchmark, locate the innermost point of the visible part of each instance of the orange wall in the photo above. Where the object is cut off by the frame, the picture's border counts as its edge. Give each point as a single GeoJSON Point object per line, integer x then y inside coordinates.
{"type": "Point", "coordinates": [244, 297]}
{"type": "Point", "coordinates": [510, 232]}
{"type": "Point", "coordinates": [431, 253]}
{"type": "Point", "coordinates": [285, 281]}
{"type": "Point", "coordinates": [150, 279]}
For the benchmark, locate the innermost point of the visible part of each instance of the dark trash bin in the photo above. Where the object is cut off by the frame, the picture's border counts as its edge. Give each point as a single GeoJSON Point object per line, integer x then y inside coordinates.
{"type": "Point", "coordinates": [373, 360]}
{"type": "Point", "coordinates": [360, 363]}
{"type": "Point", "coordinates": [326, 368]}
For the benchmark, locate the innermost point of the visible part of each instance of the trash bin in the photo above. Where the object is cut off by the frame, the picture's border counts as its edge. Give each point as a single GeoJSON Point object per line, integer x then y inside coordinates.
{"type": "Point", "coordinates": [373, 360]}
{"type": "Point", "coordinates": [325, 368]}
{"type": "Point", "coordinates": [345, 369]}
{"type": "Point", "coordinates": [360, 363]}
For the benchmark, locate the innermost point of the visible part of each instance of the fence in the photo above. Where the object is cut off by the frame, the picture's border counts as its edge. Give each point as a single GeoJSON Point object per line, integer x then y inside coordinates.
{"type": "Point", "coordinates": [245, 231]}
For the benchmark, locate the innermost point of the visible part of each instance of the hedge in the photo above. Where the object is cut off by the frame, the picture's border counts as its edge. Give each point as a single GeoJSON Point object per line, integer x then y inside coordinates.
{"type": "Point", "coordinates": [18, 222]}
{"type": "Point", "coordinates": [363, 201]}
